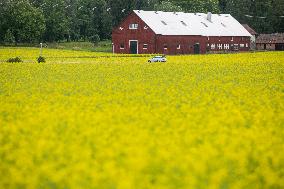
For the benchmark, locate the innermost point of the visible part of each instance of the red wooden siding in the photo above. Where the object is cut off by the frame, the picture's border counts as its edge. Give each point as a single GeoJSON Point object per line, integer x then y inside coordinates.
{"type": "Point", "coordinates": [144, 36]}
{"type": "Point", "coordinates": [186, 44]}
{"type": "Point", "coordinates": [243, 43]}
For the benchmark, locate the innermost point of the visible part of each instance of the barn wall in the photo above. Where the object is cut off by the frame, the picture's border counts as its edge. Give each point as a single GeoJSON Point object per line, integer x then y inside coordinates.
{"type": "Point", "coordinates": [144, 36]}
{"type": "Point", "coordinates": [261, 46]}
{"type": "Point", "coordinates": [186, 44]}
{"type": "Point", "coordinates": [235, 44]}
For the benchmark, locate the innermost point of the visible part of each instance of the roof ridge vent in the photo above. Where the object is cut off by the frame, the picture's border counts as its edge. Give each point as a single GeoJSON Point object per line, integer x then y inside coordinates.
{"type": "Point", "coordinates": [164, 22]}
{"type": "Point", "coordinates": [209, 16]}
{"type": "Point", "coordinates": [204, 24]}
{"type": "Point", "coordinates": [156, 12]}
{"type": "Point", "coordinates": [183, 23]}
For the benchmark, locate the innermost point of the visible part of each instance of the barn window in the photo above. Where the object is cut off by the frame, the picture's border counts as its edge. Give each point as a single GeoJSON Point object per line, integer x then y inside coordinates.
{"type": "Point", "coordinates": [236, 47]}
{"type": "Point", "coordinates": [164, 22]}
{"type": "Point", "coordinates": [212, 46]}
{"type": "Point", "coordinates": [183, 23]}
{"type": "Point", "coordinates": [247, 45]}
{"type": "Point", "coordinates": [121, 46]}
{"type": "Point", "coordinates": [219, 46]}
{"type": "Point", "coordinates": [242, 45]}
{"type": "Point", "coordinates": [178, 46]}
{"type": "Point", "coordinates": [165, 46]}
{"type": "Point", "coordinates": [133, 26]}
{"type": "Point", "coordinates": [208, 38]}
{"type": "Point", "coordinates": [232, 39]}
{"type": "Point", "coordinates": [226, 46]}
{"type": "Point", "coordinates": [145, 46]}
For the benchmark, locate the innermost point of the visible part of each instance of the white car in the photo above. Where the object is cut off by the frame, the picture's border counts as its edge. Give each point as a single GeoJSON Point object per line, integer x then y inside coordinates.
{"type": "Point", "coordinates": [158, 59]}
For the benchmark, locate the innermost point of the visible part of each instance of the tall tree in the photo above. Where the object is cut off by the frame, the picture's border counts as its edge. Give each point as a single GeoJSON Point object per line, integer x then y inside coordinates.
{"type": "Point", "coordinates": [167, 6]}
{"type": "Point", "coordinates": [56, 21]}
{"type": "Point", "coordinates": [262, 15]}
{"type": "Point", "coordinates": [22, 20]}
{"type": "Point", "coordinates": [199, 5]}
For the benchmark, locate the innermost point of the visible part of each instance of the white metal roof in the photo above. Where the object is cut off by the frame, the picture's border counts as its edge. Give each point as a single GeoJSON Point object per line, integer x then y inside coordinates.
{"type": "Point", "coordinates": [180, 23]}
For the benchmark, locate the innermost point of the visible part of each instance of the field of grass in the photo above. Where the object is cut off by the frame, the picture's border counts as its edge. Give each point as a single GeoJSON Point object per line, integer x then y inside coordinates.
{"type": "Point", "coordinates": [102, 46]}
{"type": "Point", "coordinates": [93, 120]}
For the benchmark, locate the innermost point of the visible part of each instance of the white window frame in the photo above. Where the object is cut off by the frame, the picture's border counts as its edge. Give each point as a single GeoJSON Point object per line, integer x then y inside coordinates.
{"type": "Point", "coordinates": [145, 44]}
{"type": "Point", "coordinates": [226, 46]}
{"type": "Point", "coordinates": [112, 45]}
{"type": "Point", "coordinates": [232, 39]}
{"type": "Point", "coordinates": [242, 45]}
{"type": "Point", "coordinates": [247, 45]}
{"type": "Point", "coordinates": [133, 26]}
{"type": "Point", "coordinates": [121, 47]}
{"type": "Point", "coordinates": [137, 45]}
{"type": "Point", "coordinates": [236, 47]}
{"type": "Point", "coordinates": [213, 46]}
{"type": "Point", "coordinates": [165, 48]}
{"type": "Point", "coordinates": [220, 46]}
{"type": "Point", "coordinates": [178, 46]}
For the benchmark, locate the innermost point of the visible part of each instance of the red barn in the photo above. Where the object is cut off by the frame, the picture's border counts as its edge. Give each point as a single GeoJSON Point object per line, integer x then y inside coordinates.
{"type": "Point", "coordinates": [157, 32]}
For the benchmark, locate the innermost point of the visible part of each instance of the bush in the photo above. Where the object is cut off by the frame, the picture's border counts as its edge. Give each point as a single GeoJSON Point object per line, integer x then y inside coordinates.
{"type": "Point", "coordinates": [41, 59]}
{"type": "Point", "coordinates": [95, 39]}
{"type": "Point", "coordinates": [15, 60]}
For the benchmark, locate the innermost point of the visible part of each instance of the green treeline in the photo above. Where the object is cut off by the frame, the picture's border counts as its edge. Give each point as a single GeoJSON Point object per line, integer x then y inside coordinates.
{"type": "Point", "coordinates": [32, 21]}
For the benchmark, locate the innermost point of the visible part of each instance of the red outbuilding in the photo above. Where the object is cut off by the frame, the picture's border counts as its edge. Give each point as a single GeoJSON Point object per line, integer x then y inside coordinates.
{"type": "Point", "coordinates": [157, 32]}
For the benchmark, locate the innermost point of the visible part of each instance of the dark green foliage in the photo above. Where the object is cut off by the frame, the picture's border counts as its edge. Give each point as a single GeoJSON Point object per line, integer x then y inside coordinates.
{"type": "Point", "coordinates": [265, 14]}
{"type": "Point", "coordinates": [95, 39]}
{"type": "Point", "coordinates": [198, 5]}
{"type": "Point", "coordinates": [41, 59]}
{"type": "Point", "coordinates": [9, 37]}
{"type": "Point", "coordinates": [22, 22]}
{"type": "Point", "coordinates": [14, 60]}
{"type": "Point", "coordinates": [167, 6]}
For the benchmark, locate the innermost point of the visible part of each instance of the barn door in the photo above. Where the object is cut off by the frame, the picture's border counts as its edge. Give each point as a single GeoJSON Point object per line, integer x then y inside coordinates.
{"type": "Point", "coordinates": [196, 48]}
{"type": "Point", "coordinates": [133, 47]}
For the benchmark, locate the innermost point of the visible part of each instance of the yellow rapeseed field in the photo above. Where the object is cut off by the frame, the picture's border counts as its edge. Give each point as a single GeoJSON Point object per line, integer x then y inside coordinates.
{"type": "Point", "coordinates": [90, 120]}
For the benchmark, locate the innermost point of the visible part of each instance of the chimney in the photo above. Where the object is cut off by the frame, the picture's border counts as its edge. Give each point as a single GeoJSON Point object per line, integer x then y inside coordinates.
{"type": "Point", "coordinates": [209, 16]}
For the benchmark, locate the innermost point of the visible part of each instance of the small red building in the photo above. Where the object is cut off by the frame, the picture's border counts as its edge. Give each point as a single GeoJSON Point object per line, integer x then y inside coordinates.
{"type": "Point", "coordinates": [157, 32]}
{"type": "Point", "coordinates": [274, 41]}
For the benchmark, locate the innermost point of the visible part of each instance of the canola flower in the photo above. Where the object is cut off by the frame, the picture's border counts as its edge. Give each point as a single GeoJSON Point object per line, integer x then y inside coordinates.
{"type": "Point", "coordinates": [211, 121]}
